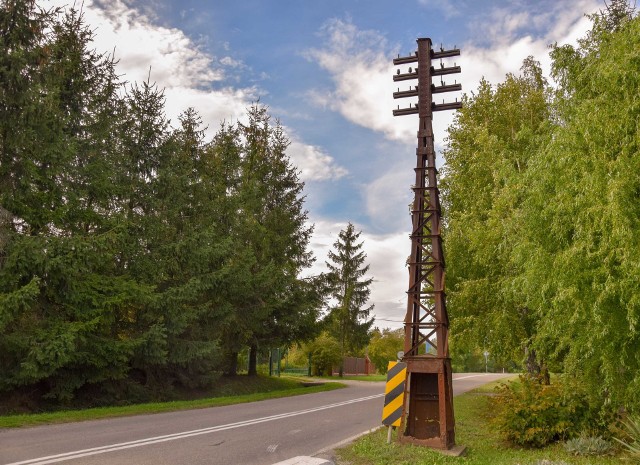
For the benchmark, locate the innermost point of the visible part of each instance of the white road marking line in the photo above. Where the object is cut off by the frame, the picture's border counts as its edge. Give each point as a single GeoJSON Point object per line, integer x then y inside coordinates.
{"type": "Point", "coordinates": [185, 434]}
{"type": "Point", "coordinates": [472, 376]}
{"type": "Point", "coordinates": [272, 448]}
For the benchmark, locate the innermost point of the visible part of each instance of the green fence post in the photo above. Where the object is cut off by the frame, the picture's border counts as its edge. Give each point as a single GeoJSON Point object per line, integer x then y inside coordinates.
{"type": "Point", "coordinates": [278, 361]}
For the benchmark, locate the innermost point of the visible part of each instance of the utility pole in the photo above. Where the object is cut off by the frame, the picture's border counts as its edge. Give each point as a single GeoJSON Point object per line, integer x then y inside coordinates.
{"type": "Point", "coordinates": [428, 410]}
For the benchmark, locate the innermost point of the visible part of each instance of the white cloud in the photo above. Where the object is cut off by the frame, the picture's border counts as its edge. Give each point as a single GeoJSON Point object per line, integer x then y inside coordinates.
{"type": "Point", "coordinates": [232, 63]}
{"type": "Point", "coordinates": [227, 104]}
{"type": "Point", "coordinates": [368, 102]}
{"type": "Point", "coordinates": [566, 24]}
{"type": "Point", "coordinates": [315, 164]}
{"type": "Point", "coordinates": [174, 59]}
{"type": "Point", "coordinates": [388, 198]}
{"type": "Point", "coordinates": [362, 77]}
{"type": "Point", "coordinates": [387, 255]}
{"type": "Point", "coordinates": [169, 57]}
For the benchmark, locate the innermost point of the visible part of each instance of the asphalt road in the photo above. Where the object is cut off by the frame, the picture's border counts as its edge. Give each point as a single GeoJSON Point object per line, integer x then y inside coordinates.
{"type": "Point", "coordinates": [259, 433]}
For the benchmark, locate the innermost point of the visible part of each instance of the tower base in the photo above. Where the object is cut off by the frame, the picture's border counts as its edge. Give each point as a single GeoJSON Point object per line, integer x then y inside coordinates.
{"type": "Point", "coordinates": [428, 419]}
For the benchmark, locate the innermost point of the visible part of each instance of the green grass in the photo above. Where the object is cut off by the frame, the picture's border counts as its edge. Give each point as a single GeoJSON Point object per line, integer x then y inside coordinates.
{"type": "Point", "coordinates": [474, 430]}
{"type": "Point", "coordinates": [491, 387]}
{"type": "Point", "coordinates": [227, 392]}
{"type": "Point", "coordinates": [357, 378]}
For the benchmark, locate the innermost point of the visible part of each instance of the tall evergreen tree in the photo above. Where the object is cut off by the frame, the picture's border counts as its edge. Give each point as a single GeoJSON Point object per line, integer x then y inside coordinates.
{"type": "Point", "coordinates": [144, 142]}
{"type": "Point", "coordinates": [65, 232]}
{"type": "Point", "coordinates": [190, 256]}
{"type": "Point", "coordinates": [274, 306]}
{"type": "Point", "coordinates": [348, 317]}
{"type": "Point", "coordinates": [23, 46]}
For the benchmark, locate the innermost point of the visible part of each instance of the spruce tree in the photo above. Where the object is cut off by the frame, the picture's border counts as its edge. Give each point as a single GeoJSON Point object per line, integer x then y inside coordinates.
{"type": "Point", "coordinates": [23, 42]}
{"type": "Point", "coordinates": [273, 306]}
{"type": "Point", "coordinates": [349, 289]}
{"type": "Point", "coordinates": [144, 142]}
{"type": "Point", "coordinates": [62, 236]}
{"type": "Point", "coordinates": [190, 256]}
{"type": "Point", "coordinates": [131, 253]}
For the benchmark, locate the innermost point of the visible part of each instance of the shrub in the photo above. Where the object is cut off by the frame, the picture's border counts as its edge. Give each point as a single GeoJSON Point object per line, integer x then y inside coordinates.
{"type": "Point", "coordinates": [383, 347]}
{"type": "Point", "coordinates": [532, 414]}
{"type": "Point", "coordinates": [630, 437]}
{"type": "Point", "coordinates": [325, 353]}
{"type": "Point", "coordinates": [588, 445]}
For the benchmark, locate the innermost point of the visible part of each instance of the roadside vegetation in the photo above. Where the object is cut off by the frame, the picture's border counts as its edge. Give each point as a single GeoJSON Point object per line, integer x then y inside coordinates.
{"type": "Point", "coordinates": [542, 204]}
{"type": "Point", "coordinates": [486, 445]}
{"type": "Point", "coordinates": [142, 261]}
{"type": "Point", "coordinates": [237, 390]}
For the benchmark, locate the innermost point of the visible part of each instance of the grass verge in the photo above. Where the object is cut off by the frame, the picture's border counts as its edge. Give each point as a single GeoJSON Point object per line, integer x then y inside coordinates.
{"type": "Point", "coordinates": [229, 393]}
{"type": "Point", "coordinates": [357, 378]}
{"type": "Point", "coordinates": [474, 430]}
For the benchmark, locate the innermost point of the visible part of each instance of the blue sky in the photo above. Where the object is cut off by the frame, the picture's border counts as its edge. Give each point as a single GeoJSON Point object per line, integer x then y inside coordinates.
{"type": "Point", "coordinates": [324, 69]}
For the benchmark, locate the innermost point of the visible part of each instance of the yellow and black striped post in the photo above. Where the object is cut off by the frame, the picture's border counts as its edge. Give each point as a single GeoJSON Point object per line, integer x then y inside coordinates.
{"type": "Point", "coordinates": [394, 394]}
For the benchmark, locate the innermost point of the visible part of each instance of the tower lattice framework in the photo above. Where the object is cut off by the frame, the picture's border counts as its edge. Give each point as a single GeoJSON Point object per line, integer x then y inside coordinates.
{"type": "Point", "coordinates": [428, 412]}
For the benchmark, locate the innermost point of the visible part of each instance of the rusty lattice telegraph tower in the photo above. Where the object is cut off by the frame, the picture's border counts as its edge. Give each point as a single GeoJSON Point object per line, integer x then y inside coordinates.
{"type": "Point", "coordinates": [428, 412]}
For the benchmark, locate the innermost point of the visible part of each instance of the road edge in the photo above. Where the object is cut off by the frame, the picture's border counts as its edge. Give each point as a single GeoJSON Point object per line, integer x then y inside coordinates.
{"type": "Point", "coordinates": [328, 452]}
{"type": "Point", "coordinates": [325, 456]}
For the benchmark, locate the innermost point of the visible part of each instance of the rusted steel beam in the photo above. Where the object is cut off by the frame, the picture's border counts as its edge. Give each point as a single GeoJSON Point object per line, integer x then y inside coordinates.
{"type": "Point", "coordinates": [434, 107]}
{"type": "Point", "coordinates": [444, 53]}
{"type": "Point", "coordinates": [445, 88]}
{"type": "Point", "coordinates": [405, 76]}
{"type": "Point", "coordinates": [435, 55]}
{"type": "Point", "coordinates": [406, 93]}
{"type": "Point", "coordinates": [434, 90]}
{"type": "Point", "coordinates": [446, 106]}
{"type": "Point", "coordinates": [445, 70]}
{"type": "Point", "coordinates": [406, 60]}
{"type": "Point", "coordinates": [405, 111]}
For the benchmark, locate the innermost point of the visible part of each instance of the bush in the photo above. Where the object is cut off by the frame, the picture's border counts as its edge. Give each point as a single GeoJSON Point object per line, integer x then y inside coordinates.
{"type": "Point", "coordinates": [588, 445]}
{"type": "Point", "coordinates": [325, 354]}
{"type": "Point", "coordinates": [532, 414]}
{"type": "Point", "coordinates": [384, 346]}
{"type": "Point", "coordinates": [630, 437]}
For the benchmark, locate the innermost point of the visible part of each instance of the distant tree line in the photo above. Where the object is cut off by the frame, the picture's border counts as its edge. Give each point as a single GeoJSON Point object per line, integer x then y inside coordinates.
{"type": "Point", "coordinates": [542, 197]}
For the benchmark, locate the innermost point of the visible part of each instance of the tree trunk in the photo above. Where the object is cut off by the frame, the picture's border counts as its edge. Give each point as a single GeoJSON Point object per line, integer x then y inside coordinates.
{"type": "Point", "coordinates": [231, 363]}
{"type": "Point", "coordinates": [253, 360]}
{"type": "Point", "coordinates": [536, 369]}
{"type": "Point", "coordinates": [341, 370]}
